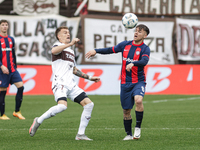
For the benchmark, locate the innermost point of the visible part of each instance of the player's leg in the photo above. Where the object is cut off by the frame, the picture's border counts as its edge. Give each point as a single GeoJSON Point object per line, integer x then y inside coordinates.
{"type": "Point", "coordinates": [85, 117]}
{"type": "Point", "coordinates": [79, 96]}
{"type": "Point", "coordinates": [61, 99]}
{"type": "Point", "coordinates": [18, 100]}
{"type": "Point", "coordinates": [4, 79]}
{"type": "Point", "coordinates": [139, 109]}
{"type": "Point", "coordinates": [2, 103]}
{"type": "Point", "coordinates": [17, 81]}
{"type": "Point", "coordinates": [61, 106]}
{"type": "Point", "coordinates": [127, 103]}
{"type": "Point", "coordinates": [127, 124]}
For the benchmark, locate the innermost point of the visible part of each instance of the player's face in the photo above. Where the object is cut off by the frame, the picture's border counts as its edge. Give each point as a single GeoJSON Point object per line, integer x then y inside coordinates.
{"type": "Point", "coordinates": [139, 36]}
{"type": "Point", "coordinates": [64, 36]}
{"type": "Point", "coordinates": [4, 27]}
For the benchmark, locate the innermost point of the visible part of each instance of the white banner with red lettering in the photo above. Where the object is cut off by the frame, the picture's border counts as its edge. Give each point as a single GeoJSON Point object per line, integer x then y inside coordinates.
{"type": "Point", "coordinates": [111, 32]}
{"type": "Point", "coordinates": [166, 79]}
{"type": "Point", "coordinates": [188, 42]}
{"type": "Point", "coordinates": [149, 7]}
{"type": "Point", "coordinates": [36, 7]}
{"type": "Point", "coordinates": [34, 36]}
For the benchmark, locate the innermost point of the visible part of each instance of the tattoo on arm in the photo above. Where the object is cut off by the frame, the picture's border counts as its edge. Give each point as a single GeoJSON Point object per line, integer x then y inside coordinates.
{"type": "Point", "coordinates": [80, 74]}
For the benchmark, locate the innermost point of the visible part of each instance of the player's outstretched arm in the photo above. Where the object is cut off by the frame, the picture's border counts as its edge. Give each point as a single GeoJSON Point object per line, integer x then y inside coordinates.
{"type": "Point", "coordinates": [90, 54]}
{"type": "Point", "coordinates": [85, 76]}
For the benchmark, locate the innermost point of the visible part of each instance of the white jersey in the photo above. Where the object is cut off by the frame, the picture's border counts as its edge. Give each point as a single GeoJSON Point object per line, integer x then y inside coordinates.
{"type": "Point", "coordinates": [62, 67]}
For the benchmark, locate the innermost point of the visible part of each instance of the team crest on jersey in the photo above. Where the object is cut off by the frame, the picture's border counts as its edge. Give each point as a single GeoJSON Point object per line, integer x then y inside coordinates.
{"type": "Point", "coordinates": [137, 52]}
{"type": "Point", "coordinates": [10, 42]}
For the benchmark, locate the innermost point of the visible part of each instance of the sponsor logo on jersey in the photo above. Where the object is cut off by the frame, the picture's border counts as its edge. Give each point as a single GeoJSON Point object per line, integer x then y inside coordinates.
{"type": "Point", "coordinates": [126, 50]}
{"type": "Point", "coordinates": [6, 49]}
{"type": "Point", "coordinates": [69, 56]}
{"type": "Point", "coordinates": [129, 60]}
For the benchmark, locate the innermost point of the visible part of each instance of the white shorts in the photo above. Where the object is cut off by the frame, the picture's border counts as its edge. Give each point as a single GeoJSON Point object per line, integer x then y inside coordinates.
{"type": "Point", "coordinates": [61, 91]}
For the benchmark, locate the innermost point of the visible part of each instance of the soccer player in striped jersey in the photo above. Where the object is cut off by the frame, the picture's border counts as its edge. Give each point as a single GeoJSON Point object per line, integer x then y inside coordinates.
{"type": "Point", "coordinates": [64, 85]}
{"type": "Point", "coordinates": [8, 71]}
{"type": "Point", "coordinates": [135, 56]}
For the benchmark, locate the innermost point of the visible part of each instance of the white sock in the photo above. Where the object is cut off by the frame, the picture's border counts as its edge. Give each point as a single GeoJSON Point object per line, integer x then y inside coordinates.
{"type": "Point", "coordinates": [51, 112]}
{"type": "Point", "coordinates": [85, 117]}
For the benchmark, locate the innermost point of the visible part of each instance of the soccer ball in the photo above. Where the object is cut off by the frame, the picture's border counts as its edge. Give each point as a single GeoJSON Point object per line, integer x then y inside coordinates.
{"type": "Point", "coordinates": [129, 20]}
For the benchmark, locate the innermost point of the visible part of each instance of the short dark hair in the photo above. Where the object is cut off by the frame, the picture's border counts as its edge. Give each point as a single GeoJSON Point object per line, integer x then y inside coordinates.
{"type": "Point", "coordinates": [144, 27]}
{"type": "Point", "coordinates": [58, 30]}
{"type": "Point", "coordinates": [3, 21]}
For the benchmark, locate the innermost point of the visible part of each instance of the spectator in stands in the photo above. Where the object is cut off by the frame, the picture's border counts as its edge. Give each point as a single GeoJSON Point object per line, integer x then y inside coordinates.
{"type": "Point", "coordinates": [8, 71]}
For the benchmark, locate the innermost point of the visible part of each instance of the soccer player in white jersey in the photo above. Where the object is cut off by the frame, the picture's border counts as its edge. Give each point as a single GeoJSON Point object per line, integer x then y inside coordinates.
{"type": "Point", "coordinates": [64, 85]}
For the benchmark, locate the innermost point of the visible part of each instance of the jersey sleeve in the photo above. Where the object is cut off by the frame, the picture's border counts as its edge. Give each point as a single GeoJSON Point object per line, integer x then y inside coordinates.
{"type": "Point", "coordinates": [144, 58]}
{"type": "Point", "coordinates": [115, 49]}
{"type": "Point", "coordinates": [13, 52]}
{"type": "Point", "coordinates": [55, 45]}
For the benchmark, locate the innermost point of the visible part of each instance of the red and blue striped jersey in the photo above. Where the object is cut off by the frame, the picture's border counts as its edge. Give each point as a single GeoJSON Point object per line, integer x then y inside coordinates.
{"type": "Point", "coordinates": [131, 53]}
{"type": "Point", "coordinates": [7, 53]}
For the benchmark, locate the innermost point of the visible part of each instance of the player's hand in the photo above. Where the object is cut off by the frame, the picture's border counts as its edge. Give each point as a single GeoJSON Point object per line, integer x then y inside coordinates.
{"type": "Point", "coordinates": [90, 54]}
{"type": "Point", "coordinates": [75, 40]}
{"type": "Point", "coordinates": [129, 67]}
{"type": "Point", "coordinates": [95, 79]}
{"type": "Point", "coordinates": [4, 69]}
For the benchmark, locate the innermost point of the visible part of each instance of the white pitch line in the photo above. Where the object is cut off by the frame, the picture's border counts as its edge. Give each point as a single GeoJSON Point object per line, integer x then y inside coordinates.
{"type": "Point", "coordinates": [179, 99]}
{"type": "Point", "coordinates": [71, 129]}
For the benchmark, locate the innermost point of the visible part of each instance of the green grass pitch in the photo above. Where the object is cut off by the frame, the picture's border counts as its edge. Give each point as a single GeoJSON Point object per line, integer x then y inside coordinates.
{"type": "Point", "coordinates": [171, 122]}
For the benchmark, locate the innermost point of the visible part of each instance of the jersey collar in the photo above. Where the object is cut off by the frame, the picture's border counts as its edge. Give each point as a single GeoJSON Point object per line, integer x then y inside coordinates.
{"type": "Point", "coordinates": [3, 36]}
{"type": "Point", "coordinates": [136, 44]}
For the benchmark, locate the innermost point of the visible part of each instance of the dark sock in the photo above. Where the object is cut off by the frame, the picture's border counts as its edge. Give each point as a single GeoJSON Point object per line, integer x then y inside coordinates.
{"type": "Point", "coordinates": [127, 126]}
{"type": "Point", "coordinates": [18, 98]}
{"type": "Point", "coordinates": [2, 102]}
{"type": "Point", "coordinates": [139, 117]}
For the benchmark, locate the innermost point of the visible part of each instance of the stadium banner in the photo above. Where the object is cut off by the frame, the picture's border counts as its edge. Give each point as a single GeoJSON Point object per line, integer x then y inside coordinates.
{"type": "Point", "coordinates": [148, 7]}
{"type": "Point", "coordinates": [188, 32]}
{"type": "Point", "coordinates": [101, 31]}
{"type": "Point", "coordinates": [36, 7]}
{"type": "Point", "coordinates": [165, 79]}
{"type": "Point", "coordinates": [35, 35]}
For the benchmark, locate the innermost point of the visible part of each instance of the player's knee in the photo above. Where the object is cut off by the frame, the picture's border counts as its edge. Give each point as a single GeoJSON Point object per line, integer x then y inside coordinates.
{"type": "Point", "coordinates": [89, 106]}
{"type": "Point", "coordinates": [127, 112]}
{"type": "Point", "coordinates": [62, 107]}
{"type": "Point", "coordinates": [138, 102]}
{"type": "Point", "coordinates": [57, 109]}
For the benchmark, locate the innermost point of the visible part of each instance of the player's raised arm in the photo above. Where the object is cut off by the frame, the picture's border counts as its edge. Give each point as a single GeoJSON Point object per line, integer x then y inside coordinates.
{"type": "Point", "coordinates": [57, 49]}
{"type": "Point", "coordinates": [79, 73]}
